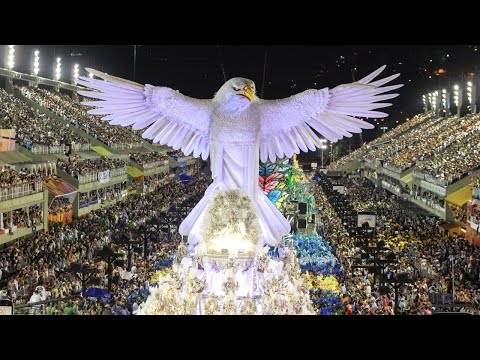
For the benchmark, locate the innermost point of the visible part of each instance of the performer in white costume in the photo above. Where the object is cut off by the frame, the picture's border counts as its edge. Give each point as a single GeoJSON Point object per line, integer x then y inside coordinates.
{"type": "Point", "coordinates": [237, 129]}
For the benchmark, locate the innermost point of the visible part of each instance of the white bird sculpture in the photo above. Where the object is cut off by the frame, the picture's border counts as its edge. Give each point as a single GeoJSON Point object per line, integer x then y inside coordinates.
{"type": "Point", "coordinates": [237, 129]}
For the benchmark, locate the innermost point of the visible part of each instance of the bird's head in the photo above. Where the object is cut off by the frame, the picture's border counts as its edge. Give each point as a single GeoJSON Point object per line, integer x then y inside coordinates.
{"type": "Point", "coordinates": [236, 90]}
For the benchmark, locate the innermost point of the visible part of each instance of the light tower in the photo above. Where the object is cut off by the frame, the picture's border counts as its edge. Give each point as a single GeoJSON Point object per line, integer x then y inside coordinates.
{"type": "Point", "coordinates": [75, 73]}
{"type": "Point", "coordinates": [471, 96]}
{"type": "Point", "coordinates": [446, 102]}
{"type": "Point", "coordinates": [434, 103]}
{"type": "Point", "coordinates": [58, 69]}
{"type": "Point", "coordinates": [36, 63]}
{"type": "Point", "coordinates": [458, 98]}
{"type": "Point", "coordinates": [11, 57]}
{"type": "Point", "coordinates": [323, 147]}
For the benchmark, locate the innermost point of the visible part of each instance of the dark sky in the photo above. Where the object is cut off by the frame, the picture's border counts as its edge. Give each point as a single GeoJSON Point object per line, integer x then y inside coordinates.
{"type": "Point", "coordinates": [196, 70]}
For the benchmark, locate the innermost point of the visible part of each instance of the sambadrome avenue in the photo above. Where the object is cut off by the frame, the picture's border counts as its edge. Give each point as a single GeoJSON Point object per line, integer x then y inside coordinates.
{"type": "Point", "coordinates": [239, 180]}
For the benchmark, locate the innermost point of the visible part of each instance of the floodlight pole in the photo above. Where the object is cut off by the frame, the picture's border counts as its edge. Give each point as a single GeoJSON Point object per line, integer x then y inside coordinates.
{"type": "Point", "coordinates": [134, 61]}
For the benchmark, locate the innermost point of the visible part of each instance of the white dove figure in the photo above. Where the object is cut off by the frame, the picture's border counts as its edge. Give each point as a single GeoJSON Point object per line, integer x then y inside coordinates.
{"type": "Point", "coordinates": [237, 129]}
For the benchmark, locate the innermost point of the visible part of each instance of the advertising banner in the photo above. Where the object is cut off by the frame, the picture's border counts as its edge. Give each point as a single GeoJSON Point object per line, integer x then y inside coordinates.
{"type": "Point", "coordinates": [7, 140]}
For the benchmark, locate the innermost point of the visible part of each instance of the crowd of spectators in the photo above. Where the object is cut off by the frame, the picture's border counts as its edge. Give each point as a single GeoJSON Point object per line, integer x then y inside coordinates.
{"type": "Point", "coordinates": [71, 110]}
{"type": "Point", "coordinates": [435, 140]}
{"type": "Point", "coordinates": [175, 154]}
{"type": "Point", "coordinates": [459, 212]}
{"type": "Point", "coordinates": [60, 210]}
{"type": "Point", "coordinates": [153, 182]}
{"type": "Point", "coordinates": [437, 154]}
{"type": "Point", "coordinates": [104, 195]}
{"type": "Point", "coordinates": [397, 145]}
{"type": "Point", "coordinates": [422, 250]}
{"type": "Point", "coordinates": [370, 174]}
{"type": "Point", "coordinates": [360, 293]}
{"type": "Point", "coordinates": [475, 184]}
{"type": "Point", "coordinates": [87, 170]}
{"type": "Point", "coordinates": [428, 198]}
{"type": "Point", "coordinates": [390, 135]}
{"type": "Point", "coordinates": [18, 183]}
{"type": "Point", "coordinates": [35, 130]}
{"type": "Point", "coordinates": [150, 160]}
{"type": "Point", "coordinates": [395, 185]}
{"type": "Point", "coordinates": [455, 161]}
{"type": "Point", "coordinates": [20, 218]}
{"type": "Point", "coordinates": [43, 261]}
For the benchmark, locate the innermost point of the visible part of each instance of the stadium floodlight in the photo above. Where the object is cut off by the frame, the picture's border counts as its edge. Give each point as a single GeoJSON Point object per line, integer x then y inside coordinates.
{"type": "Point", "coordinates": [90, 75]}
{"type": "Point", "coordinates": [469, 92]}
{"type": "Point", "coordinates": [323, 147]}
{"type": "Point", "coordinates": [36, 62]}
{"type": "Point", "coordinates": [58, 69]}
{"type": "Point", "coordinates": [471, 96]}
{"type": "Point", "coordinates": [76, 72]}
{"type": "Point", "coordinates": [434, 101]}
{"type": "Point", "coordinates": [11, 57]}
{"type": "Point", "coordinates": [456, 95]}
{"type": "Point", "coordinates": [446, 102]}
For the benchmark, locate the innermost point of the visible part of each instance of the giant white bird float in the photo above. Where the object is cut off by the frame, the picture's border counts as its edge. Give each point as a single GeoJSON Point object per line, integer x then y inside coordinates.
{"type": "Point", "coordinates": [237, 129]}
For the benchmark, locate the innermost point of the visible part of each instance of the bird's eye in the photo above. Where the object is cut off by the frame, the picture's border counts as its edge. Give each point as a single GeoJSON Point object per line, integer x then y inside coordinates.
{"type": "Point", "coordinates": [236, 89]}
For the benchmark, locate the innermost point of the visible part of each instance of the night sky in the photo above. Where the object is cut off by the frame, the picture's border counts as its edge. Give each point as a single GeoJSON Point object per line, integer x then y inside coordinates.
{"type": "Point", "coordinates": [199, 70]}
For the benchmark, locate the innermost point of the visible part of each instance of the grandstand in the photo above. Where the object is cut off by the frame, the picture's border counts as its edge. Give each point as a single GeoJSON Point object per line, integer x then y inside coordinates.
{"type": "Point", "coordinates": [66, 163]}
{"type": "Point", "coordinates": [431, 161]}
{"type": "Point", "coordinates": [351, 161]}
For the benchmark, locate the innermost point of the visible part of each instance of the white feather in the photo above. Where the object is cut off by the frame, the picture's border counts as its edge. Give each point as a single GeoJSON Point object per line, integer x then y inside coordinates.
{"type": "Point", "coordinates": [168, 113]}
{"type": "Point", "coordinates": [329, 112]}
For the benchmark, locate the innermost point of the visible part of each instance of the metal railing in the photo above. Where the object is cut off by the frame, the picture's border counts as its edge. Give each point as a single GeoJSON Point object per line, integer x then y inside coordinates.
{"type": "Point", "coordinates": [94, 176]}
{"type": "Point", "coordinates": [38, 308]}
{"type": "Point", "coordinates": [20, 190]}
{"type": "Point", "coordinates": [118, 172]}
{"type": "Point", "coordinates": [123, 146]}
{"type": "Point", "coordinates": [431, 179]}
{"type": "Point", "coordinates": [84, 179]}
{"type": "Point", "coordinates": [45, 149]}
{"type": "Point", "coordinates": [440, 182]}
{"type": "Point", "coordinates": [393, 168]}
{"type": "Point", "coordinates": [392, 186]}
{"type": "Point", "coordinates": [81, 147]}
{"type": "Point", "coordinates": [429, 202]}
{"type": "Point", "coordinates": [155, 164]}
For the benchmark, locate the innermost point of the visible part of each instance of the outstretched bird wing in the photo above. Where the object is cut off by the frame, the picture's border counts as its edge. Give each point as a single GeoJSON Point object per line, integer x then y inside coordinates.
{"type": "Point", "coordinates": [287, 124]}
{"type": "Point", "coordinates": [174, 119]}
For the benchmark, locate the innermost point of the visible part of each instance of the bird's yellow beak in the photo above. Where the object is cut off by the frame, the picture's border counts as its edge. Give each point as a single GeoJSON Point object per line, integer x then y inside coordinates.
{"type": "Point", "coordinates": [248, 92]}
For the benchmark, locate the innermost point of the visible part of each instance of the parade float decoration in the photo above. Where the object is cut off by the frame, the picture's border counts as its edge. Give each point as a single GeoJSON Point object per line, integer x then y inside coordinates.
{"type": "Point", "coordinates": [225, 267]}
